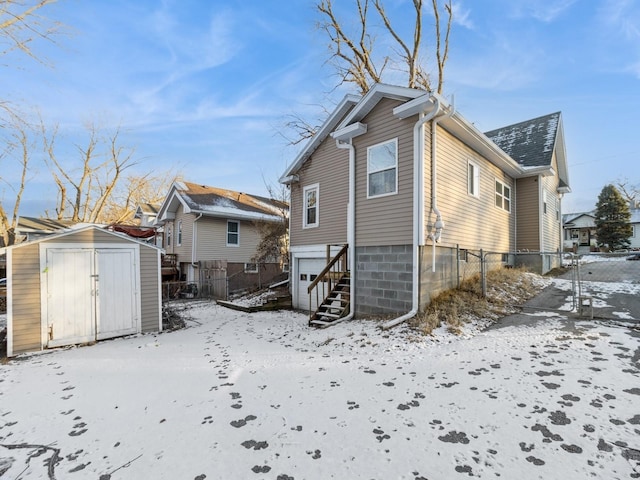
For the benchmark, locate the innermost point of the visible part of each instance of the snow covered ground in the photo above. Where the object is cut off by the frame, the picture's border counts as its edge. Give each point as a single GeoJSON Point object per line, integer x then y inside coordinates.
{"type": "Point", "coordinates": [243, 396]}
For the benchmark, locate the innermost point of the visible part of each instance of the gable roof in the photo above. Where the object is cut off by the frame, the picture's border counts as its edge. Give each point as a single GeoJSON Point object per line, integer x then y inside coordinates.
{"type": "Point", "coordinates": [520, 150]}
{"type": "Point", "coordinates": [147, 209]}
{"type": "Point", "coordinates": [345, 105]}
{"type": "Point", "coordinates": [219, 202]}
{"type": "Point", "coordinates": [530, 143]}
{"type": "Point", "coordinates": [569, 218]}
{"type": "Point", "coordinates": [42, 225]}
{"type": "Point", "coordinates": [75, 231]}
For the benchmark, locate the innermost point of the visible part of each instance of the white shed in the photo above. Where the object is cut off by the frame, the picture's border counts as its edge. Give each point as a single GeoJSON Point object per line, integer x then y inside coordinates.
{"type": "Point", "coordinates": [81, 286]}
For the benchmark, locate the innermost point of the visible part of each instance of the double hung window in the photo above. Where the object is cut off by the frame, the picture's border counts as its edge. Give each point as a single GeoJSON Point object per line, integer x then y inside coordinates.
{"type": "Point", "coordinates": [382, 169]}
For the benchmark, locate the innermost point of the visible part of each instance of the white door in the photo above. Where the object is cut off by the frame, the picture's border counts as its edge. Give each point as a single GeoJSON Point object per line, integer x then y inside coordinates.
{"type": "Point", "coordinates": [70, 296]}
{"type": "Point", "coordinates": [308, 270]}
{"type": "Point", "coordinates": [92, 294]}
{"type": "Point", "coordinates": [116, 288]}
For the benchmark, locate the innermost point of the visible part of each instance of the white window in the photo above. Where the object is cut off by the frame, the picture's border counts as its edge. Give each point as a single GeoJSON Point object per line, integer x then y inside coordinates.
{"type": "Point", "coordinates": [544, 201]}
{"type": "Point", "coordinates": [233, 233]}
{"type": "Point", "coordinates": [382, 169]}
{"type": "Point", "coordinates": [633, 231]}
{"type": "Point", "coordinates": [473, 179]}
{"type": "Point", "coordinates": [503, 196]}
{"type": "Point", "coordinates": [311, 198]}
{"type": "Point", "coordinates": [250, 268]}
{"type": "Point", "coordinates": [169, 233]}
{"type": "Point", "coordinates": [179, 233]}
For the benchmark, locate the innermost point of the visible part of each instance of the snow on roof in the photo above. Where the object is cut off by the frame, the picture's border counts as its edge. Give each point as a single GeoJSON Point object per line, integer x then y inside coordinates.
{"type": "Point", "coordinates": [530, 143]}
{"type": "Point", "coordinates": [219, 201]}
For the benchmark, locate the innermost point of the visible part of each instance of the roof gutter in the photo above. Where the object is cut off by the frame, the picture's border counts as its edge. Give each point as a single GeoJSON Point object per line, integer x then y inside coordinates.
{"type": "Point", "coordinates": [418, 197]}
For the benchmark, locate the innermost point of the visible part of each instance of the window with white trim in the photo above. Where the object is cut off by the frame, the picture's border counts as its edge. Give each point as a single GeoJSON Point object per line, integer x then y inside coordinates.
{"type": "Point", "coordinates": [250, 268]}
{"type": "Point", "coordinates": [311, 198]}
{"type": "Point", "coordinates": [544, 201]}
{"type": "Point", "coordinates": [179, 233]}
{"type": "Point", "coordinates": [382, 169]}
{"type": "Point", "coordinates": [473, 179]}
{"type": "Point", "coordinates": [233, 233]}
{"type": "Point", "coordinates": [169, 233]}
{"type": "Point", "coordinates": [503, 196]}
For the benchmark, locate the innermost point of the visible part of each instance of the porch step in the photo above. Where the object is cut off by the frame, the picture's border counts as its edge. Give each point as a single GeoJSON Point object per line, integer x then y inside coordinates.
{"type": "Point", "coordinates": [335, 305]}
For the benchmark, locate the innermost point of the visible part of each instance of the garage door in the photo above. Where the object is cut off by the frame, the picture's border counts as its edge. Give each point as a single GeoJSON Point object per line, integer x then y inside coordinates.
{"type": "Point", "coordinates": [308, 270]}
{"type": "Point", "coordinates": [91, 294]}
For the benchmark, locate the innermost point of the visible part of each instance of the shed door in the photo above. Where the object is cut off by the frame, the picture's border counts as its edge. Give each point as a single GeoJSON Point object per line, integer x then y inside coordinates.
{"type": "Point", "coordinates": [91, 294]}
{"type": "Point", "coordinates": [308, 269]}
{"type": "Point", "coordinates": [116, 287]}
{"type": "Point", "coordinates": [70, 300]}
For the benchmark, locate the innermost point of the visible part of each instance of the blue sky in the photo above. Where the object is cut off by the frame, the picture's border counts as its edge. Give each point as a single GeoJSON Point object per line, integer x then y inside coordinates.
{"type": "Point", "coordinates": [204, 86]}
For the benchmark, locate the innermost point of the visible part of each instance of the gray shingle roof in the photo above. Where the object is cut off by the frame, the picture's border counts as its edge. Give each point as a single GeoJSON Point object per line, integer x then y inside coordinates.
{"type": "Point", "coordinates": [530, 143]}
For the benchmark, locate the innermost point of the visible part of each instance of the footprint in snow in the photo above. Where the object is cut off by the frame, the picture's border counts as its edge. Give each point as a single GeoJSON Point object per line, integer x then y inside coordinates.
{"type": "Point", "coordinates": [243, 421]}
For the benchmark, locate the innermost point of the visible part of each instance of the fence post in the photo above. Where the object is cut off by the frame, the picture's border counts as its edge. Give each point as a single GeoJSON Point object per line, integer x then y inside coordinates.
{"type": "Point", "coordinates": [457, 265]}
{"type": "Point", "coordinates": [483, 274]}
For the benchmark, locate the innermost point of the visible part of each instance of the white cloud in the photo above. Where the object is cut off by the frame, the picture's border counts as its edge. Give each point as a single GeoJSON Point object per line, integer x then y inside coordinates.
{"type": "Point", "coordinates": [462, 16]}
{"type": "Point", "coordinates": [543, 10]}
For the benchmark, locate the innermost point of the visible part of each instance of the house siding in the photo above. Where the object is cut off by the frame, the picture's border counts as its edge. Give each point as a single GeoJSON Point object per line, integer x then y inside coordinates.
{"type": "Point", "coordinates": [185, 249]}
{"type": "Point", "coordinates": [329, 168]}
{"type": "Point", "coordinates": [470, 222]}
{"type": "Point", "coordinates": [25, 307]}
{"type": "Point", "coordinates": [551, 219]}
{"type": "Point", "coordinates": [527, 214]}
{"type": "Point", "coordinates": [212, 240]}
{"type": "Point", "coordinates": [386, 220]}
{"type": "Point", "coordinates": [150, 297]}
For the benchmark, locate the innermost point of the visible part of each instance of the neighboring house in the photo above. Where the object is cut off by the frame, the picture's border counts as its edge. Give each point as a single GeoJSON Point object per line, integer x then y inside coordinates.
{"type": "Point", "coordinates": [31, 228]}
{"type": "Point", "coordinates": [407, 184]}
{"type": "Point", "coordinates": [208, 228]}
{"type": "Point", "coordinates": [80, 286]}
{"type": "Point", "coordinates": [580, 231]}
{"type": "Point", "coordinates": [147, 214]}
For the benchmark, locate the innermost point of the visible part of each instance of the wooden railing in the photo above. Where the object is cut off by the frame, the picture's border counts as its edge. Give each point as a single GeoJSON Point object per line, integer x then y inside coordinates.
{"type": "Point", "coordinates": [323, 284]}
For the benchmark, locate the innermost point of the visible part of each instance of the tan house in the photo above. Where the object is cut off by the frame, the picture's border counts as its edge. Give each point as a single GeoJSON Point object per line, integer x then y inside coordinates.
{"type": "Point", "coordinates": [212, 232]}
{"type": "Point", "coordinates": [397, 183]}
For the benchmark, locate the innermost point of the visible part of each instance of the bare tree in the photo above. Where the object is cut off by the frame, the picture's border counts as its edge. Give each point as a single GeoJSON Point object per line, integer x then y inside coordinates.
{"type": "Point", "coordinates": [630, 192]}
{"type": "Point", "coordinates": [87, 189]}
{"type": "Point", "coordinates": [17, 147]}
{"type": "Point", "coordinates": [21, 24]}
{"type": "Point", "coordinates": [135, 190]}
{"type": "Point", "coordinates": [353, 55]}
{"type": "Point", "coordinates": [274, 236]}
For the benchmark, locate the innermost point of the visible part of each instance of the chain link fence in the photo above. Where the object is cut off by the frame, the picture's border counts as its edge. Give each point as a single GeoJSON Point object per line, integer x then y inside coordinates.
{"type": "Point", "coordinates": [605, 285]}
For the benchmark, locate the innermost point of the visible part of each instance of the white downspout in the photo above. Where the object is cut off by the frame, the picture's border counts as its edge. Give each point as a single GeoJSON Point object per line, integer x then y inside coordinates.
{"type": "Point", "coordinates": [194, 240]}
{"type": "Point", "coordinates": [418, 211]}
{"type": "Point", "coordinates": [351, 223]}
{"type": "Point", "coordinates": [439, 223]}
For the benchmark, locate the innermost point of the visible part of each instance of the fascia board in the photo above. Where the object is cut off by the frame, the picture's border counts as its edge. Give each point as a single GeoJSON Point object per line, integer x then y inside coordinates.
{"type": "Point", "coordinates": [237, 215]}
{"type": "Point", "coordinates": [465, 131]}
{"type": "Point", "coordinates": [347, 103]}
{"type": "Point", "coordinates": [374, 95]}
